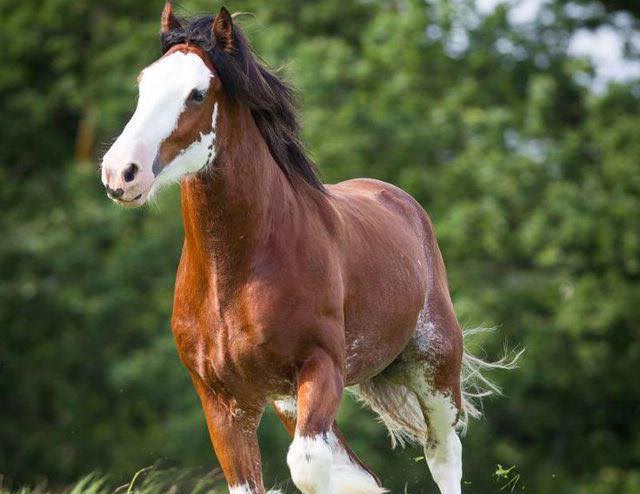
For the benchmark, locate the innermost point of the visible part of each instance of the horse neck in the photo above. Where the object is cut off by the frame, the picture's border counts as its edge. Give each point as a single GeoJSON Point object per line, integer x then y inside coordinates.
{"type": "Point", "coordinates": [242, 199]}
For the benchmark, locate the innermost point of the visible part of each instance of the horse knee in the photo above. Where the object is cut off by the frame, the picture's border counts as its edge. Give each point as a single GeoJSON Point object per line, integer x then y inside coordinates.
{"type": "Point", "coordinates": [310, 459]}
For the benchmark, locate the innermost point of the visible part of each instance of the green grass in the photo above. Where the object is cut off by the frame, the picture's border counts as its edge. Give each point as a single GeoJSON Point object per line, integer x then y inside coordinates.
{"type": "Point", "coordinates": [155, 480]}
{"type": "Point", "coordinates": [150, 480]}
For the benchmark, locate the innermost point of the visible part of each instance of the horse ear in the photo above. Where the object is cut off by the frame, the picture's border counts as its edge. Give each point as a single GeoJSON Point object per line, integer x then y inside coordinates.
{"type": "Point", "coordinates": [168, 20]}
{"type": "Point", "coordinates": [223, 30]}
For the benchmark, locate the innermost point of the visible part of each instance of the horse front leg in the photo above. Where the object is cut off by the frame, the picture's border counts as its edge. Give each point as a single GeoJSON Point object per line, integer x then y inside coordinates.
{"type": "Point", "coordinates": [286, 410]}
{"type": "Point", "coordinates": [317, 459]}
{"type": "Point", "coordinates": [233, 432]}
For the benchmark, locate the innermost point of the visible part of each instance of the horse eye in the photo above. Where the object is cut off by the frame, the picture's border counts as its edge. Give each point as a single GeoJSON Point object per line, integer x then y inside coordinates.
{"type": "Point", "coordinates": [197, 96]}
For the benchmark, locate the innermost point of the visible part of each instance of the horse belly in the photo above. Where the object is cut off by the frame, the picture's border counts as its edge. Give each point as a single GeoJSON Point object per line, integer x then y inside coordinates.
{"type": "Point", "coordinates": [382, 319]}
{"type": "Point", "coordinates": [367, 357]}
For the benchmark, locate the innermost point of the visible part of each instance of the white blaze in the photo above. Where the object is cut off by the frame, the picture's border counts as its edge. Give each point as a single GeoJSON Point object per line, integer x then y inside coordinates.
{"type": "Point", "coordinates": [164, 87]}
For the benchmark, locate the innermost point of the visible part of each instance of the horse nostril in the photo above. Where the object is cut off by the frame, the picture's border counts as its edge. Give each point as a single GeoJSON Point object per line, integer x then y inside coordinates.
{"type": "Point", "coordinates": [114, 194]}
{"type": "Point", "coordinates": [130, 172]}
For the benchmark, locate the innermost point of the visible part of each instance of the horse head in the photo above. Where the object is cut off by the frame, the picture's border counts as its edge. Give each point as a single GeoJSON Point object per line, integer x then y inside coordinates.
{"type": "Point", "coordinates": [172, 132]}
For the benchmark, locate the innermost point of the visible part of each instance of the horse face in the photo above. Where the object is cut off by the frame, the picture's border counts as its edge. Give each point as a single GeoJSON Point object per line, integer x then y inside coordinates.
{"type": "Point", "coordinates": [171, 133]}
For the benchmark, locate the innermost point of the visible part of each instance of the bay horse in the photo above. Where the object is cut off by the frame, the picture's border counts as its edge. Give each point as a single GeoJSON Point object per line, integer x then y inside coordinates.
{"type": "Point", "coordinates": [289, 290]}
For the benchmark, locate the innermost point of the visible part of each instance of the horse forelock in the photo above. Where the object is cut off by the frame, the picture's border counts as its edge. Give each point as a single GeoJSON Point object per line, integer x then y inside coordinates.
{"type": "Point", "coordinates": [248, 82]}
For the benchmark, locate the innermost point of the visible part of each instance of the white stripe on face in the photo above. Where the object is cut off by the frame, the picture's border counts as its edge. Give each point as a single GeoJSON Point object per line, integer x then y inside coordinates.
{"type": "Point", "coordinates": [164, 88]}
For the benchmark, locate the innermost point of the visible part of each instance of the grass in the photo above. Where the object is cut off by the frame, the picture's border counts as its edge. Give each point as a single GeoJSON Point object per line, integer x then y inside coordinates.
{"type": "Point", "coordinates": [150, 480]}
{"type": "Point", "coordinates": [508, 478]}
{"type": "Point", "coordinates": [153, 480]}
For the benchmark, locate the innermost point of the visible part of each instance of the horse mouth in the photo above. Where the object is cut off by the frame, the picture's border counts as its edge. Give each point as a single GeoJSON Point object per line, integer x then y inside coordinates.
{"type": "Point", "coordinates": [129, 203]}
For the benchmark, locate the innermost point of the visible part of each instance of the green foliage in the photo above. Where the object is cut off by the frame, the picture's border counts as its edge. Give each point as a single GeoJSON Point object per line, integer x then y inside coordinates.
{"type": "Point", "coordinates": [531, 179]}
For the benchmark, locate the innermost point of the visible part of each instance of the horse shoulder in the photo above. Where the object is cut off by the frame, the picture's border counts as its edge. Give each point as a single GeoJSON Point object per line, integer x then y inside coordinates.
{"type": "Point", "coordinates": [190, 294]}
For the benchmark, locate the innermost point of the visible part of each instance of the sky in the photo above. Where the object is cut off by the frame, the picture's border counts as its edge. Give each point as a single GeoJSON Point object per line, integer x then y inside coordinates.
{"type": "Point", "coordinates": [604, 46]}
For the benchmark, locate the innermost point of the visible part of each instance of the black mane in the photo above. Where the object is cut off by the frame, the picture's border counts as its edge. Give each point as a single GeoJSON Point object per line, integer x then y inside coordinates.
{"type": "Point", "coordinates": [247, 81]}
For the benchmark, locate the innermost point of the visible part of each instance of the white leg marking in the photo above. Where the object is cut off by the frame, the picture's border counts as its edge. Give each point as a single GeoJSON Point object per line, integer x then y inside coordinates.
{"type": "Point", "coordinates": [310, 460]}
{"type": "Point", "coordinates": [443, 449]}
{"type": "Point", "coordinates": [445, 463]}
{"type": "Point", "coordinates": [320, 465]}
{"type": "Point", "coordinates": [246, 489]}
{"type": "Point", "coordinates": [287, 405]}
{"type": "Point", "coordinates": [442, 446]}
{"type": "Point", "coordinates": [348, 477]}
{"type": "Point", "coordinates": [240, 489]}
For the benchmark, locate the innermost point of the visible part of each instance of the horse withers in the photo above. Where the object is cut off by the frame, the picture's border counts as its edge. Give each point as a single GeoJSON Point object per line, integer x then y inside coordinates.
{"type": "Point", "coordinates": [289, 290]}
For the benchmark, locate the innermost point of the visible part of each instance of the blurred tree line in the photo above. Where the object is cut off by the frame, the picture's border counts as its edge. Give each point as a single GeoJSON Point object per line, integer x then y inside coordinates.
{"type": "Point", "coordinates": [531, 178]}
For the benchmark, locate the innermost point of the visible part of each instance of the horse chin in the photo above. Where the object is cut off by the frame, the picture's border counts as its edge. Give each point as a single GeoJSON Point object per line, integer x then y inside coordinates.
{"type": "Point", "coordinates": [128, 204]}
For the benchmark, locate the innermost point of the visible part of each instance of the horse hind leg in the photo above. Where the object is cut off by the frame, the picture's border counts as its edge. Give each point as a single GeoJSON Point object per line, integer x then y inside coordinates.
{"type": "Point", "coordinates": [433, 367]}
{"type": "Point", "coordinates": [441, 406]}
{"type": "Point", "coordinates": [416, 412]}
{"type": "Point", "coordinates": [442, 448]}
{"type": "Point", "coordinates": [419, 398]}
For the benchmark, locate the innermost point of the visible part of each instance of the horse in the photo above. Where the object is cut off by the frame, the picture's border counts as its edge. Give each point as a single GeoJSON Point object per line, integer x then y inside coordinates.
{"type": "Point", "coordinates": [290, 291]}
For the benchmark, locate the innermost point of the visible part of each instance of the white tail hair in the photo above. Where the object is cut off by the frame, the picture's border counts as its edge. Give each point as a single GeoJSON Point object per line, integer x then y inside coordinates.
{"type": "Point", "coordinates": [475, 384]}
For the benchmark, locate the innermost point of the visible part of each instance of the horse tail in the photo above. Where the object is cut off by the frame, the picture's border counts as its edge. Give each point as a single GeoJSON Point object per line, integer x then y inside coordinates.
{"type": "Point", "coordinates": [474, 382]}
